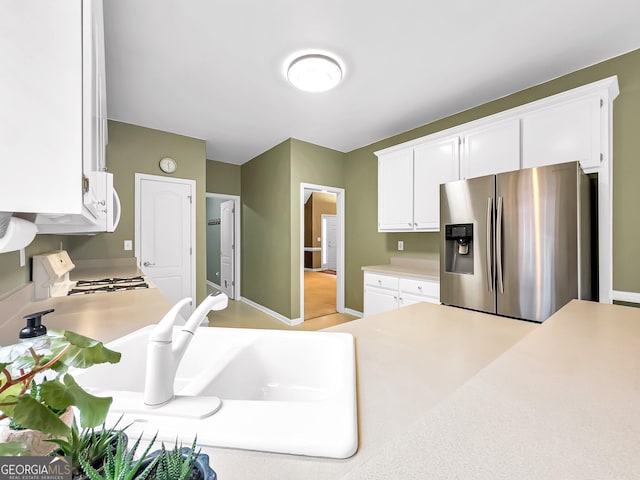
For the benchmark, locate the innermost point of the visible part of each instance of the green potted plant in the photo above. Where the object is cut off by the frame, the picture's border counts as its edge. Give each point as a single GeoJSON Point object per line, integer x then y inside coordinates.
{"type": "Point", "coordinates": [38, 394]}
{"type": "Point", "coordinates": [180, 463]}
{"type": "Point", "coordinates": [90, 444]}
{"type": "Point", "coordinates": [121, 464]}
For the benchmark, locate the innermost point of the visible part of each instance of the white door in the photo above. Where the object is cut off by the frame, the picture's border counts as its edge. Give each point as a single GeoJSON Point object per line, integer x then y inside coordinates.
{"type": "Point", "coordinates": [164, 242]}
{"type": "Point", "coordinates": [227, 247]}
{"type": "Point", "coordinates": [329, 235]}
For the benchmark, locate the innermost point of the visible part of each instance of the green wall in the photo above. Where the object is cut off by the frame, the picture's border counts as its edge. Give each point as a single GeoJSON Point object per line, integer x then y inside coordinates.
{"type": "Point", "coordinates": [265, 220]}
{"type": "Point", "coordinates": [223, 178]}
{"type": "Point", "coordinates": [271, 219]}
{"type": "Point", "coordinates": [309, 164]}
{"type": "Point", "coordinates": [365, 246]}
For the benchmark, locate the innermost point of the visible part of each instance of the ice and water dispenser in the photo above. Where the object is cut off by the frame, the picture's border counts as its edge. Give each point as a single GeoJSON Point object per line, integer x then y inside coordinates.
{"type": "Point", "coordinates": [459, 248]}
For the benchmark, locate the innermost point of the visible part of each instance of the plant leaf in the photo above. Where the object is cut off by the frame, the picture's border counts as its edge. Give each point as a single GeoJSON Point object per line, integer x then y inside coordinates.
{"type": "Point", "coordinates": [93, 410]}
{"type": "Point", "coordinates": [85, 351]}
{"type": "Point", "coordinates": [56, 394]}
{"type": "Point", "coordinates": [30, 413]}
{"type": "Point", "coordinates": [13, 449]}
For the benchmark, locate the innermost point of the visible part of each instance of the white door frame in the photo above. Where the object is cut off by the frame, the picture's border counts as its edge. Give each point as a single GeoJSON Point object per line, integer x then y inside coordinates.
{"type": "Point", "coordinates": [340, 247]}
{"type": "Point", "coordinates": [236, 205]}
{"type": "Point", "coordinates": [139, 177]}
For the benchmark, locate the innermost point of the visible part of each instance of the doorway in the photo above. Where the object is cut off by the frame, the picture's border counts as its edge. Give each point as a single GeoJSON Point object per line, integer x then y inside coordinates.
{"type": "Point", "coordinates": [223, 243]}
{"type": "Point", "coordinates": [164, 235]}
{"type": "Point", "coordinates": [322, 250]}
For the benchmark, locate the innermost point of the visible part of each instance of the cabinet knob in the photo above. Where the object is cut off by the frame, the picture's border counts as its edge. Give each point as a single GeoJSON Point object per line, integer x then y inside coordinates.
{"type": "Point", "coordinates": [379, 282]}
{"type": "Point", "coordinates": [420, 287]}
{"type": "Point", "coordinates": [410, 224]}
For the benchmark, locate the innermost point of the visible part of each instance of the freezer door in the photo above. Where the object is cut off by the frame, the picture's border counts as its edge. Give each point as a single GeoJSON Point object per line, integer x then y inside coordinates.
{"type": "Point", "coordinates": [536, 240]}
{"type": "Point", "coordinates": [466, 279]}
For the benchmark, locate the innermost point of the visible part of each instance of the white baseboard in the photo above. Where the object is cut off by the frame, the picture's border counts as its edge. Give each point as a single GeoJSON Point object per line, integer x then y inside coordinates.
{"type": "Point", "coordinates": [214, 285]}
{"type": "Point", "coordinates": [632, 297]}
{"type": "Point", "coordinates": [313, 269]}
{"type": "Point", "coordinates": [355, 313]}
{"type": "Point", "coordinates": [292, 322]}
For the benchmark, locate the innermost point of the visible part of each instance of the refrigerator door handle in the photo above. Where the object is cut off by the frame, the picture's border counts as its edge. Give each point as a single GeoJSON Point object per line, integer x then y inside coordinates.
{"type": "Point", "coordinates": [499, 246]}
{"type": "Point", "coordinates": [489, 252]}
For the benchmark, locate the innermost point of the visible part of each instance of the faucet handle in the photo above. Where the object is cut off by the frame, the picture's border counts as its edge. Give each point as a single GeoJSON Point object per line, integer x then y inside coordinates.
{"type": "Point", "coordinates": [163, 333]}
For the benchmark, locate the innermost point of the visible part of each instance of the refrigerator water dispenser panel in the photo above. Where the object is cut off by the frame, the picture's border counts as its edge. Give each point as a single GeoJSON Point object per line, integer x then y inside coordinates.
{"type": "Point", "coordinates": [459, 248]}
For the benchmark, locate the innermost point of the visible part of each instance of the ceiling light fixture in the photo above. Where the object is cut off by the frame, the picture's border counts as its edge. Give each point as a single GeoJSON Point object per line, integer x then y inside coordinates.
{"type": "Point", "coordinates": [314, 72]}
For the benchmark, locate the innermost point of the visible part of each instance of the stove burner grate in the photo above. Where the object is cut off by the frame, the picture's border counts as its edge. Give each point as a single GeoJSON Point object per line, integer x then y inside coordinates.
{"type": "Point", "coordinates": [109, 281]}
{"type": "Point", "coordinates": [108, 288]}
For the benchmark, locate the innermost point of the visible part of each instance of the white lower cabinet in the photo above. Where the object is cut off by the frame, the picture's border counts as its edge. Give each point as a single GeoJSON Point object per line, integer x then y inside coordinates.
{"type": "Point", "coordinates": [388, 292]}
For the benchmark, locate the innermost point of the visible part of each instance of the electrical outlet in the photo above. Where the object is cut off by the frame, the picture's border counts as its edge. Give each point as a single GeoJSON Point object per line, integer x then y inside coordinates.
{"type": "Point", "coordinates": [400, 245]}
{"type": "Point", "coordinates": [128, 245]}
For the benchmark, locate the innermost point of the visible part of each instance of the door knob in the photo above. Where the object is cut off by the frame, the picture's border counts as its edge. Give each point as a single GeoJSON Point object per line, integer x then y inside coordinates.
{"type": "Point", "coordinates": [148, 264]}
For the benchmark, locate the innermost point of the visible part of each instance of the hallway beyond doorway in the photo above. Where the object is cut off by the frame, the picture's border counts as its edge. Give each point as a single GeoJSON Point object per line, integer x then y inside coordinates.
{"type": "Point", "coordinates": [319, 294]}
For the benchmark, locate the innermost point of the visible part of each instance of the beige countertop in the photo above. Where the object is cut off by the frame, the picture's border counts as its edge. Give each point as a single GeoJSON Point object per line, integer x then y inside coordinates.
{"type": "Point", "coordinates": [426, 269]}
{"type": "Point", "coordinates": [562, 403]}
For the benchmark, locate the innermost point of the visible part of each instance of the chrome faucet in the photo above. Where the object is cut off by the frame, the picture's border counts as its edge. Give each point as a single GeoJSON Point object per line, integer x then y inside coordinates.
{"type": "Point", "coordinates": [164, 354]}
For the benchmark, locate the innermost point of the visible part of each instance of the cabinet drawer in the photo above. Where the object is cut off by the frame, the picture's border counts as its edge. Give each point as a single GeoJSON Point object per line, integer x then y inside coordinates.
{"type": "Point", "coordinates": [381, 281]}
{"type": "Point", "coordinates": [420, 287]}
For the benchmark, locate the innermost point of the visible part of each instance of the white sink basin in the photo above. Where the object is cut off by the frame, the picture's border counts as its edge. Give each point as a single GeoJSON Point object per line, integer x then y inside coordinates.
{"type": "Point", "coordinates": [281, 391]}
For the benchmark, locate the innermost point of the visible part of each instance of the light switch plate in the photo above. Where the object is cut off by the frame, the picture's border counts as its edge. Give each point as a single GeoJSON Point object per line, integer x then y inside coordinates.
{"type": "Point", "coordinates": [128, 245]}
{"type": "Point", "coordinates": [400, 245]}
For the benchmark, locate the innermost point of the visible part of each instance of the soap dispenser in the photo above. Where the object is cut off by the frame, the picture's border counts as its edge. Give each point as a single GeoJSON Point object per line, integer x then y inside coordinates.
{"type": "Point", "coordinates": [32, 336]}
{"type": "Point", "coordinates": [34, 327]}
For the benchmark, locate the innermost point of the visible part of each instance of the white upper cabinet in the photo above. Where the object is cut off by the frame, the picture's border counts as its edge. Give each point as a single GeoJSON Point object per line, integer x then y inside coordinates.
{"type": "Point", "coordinates": [573, 125]}
{"type": "Point", "coordinates": [53, 115]}
{"type": "Point", "coordinates": [395, 191]}
{"type": "Point", "coordinates": [491, 149]}
{"type": "Point", "coordinates": [563, 133]}
{"type": "Point", "coordinates": [434, 163]}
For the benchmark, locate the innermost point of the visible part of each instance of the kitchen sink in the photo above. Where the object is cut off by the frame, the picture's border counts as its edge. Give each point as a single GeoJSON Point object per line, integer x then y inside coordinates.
{"type": "Point", "coordinates": [282, 391]}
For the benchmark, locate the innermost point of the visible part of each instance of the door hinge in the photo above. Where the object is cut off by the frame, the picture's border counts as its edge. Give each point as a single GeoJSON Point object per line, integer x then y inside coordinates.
{"type": "Point", "coordinates": [190, 198]}
{"type": "Point", "coordinates": [233, 247]}
{"type": "Point", "coordinates": [190, 251]}
{"type": "Point", "coordinates": [233, 284]}
{"type": "Point", "coordinates": [85, 184]}
{"type": "Point", "coordinates": [602, 157]}
{"type": "Point", "coordinates": [601, 103]}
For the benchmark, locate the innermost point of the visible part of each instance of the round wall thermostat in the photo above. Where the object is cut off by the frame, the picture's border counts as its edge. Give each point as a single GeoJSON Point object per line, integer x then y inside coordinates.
{"type": "Point", "coordinates": [168, 165]}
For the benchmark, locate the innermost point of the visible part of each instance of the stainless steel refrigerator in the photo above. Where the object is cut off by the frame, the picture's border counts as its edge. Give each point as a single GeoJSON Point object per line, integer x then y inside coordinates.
{"type": "Point", "coordinates": [516, 244]}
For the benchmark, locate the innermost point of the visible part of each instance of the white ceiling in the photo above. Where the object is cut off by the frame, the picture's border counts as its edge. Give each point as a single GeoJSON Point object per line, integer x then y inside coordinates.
{"type": "Point", "coordinates": [213, 69]}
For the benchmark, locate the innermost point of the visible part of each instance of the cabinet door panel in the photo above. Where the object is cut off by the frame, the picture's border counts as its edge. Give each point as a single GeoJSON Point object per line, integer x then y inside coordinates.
{"type": "Point", "coordinates": [434, 163]}
{"type": "Point", "coordinates": [395, 191]}
{"type": "Point", "coordinates": [490, 150]}
{"type": "Point", "coordinates": [41, 98]}
{"type": "Point", "coordinates": [378, 301]}
{"type": "Point", "coordinates": [563, 133]}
